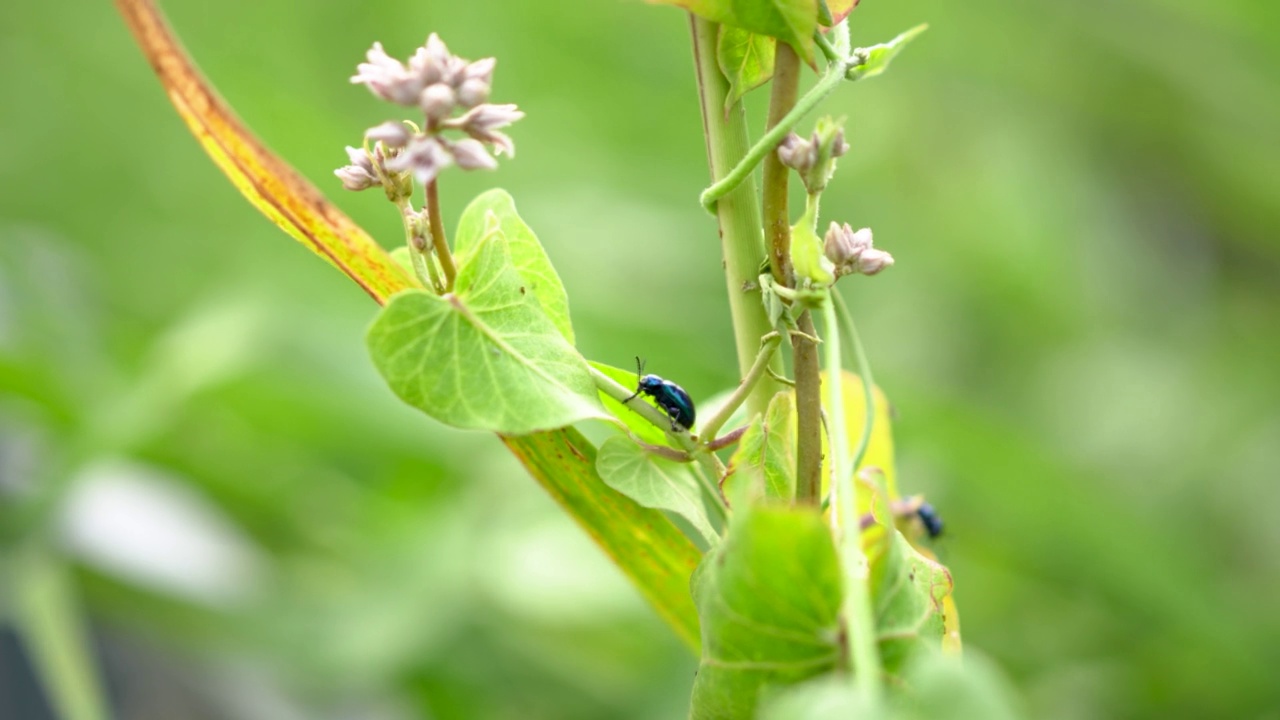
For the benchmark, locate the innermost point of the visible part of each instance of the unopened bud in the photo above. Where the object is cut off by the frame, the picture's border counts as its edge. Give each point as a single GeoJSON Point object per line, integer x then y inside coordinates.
{"type": "Point", "coordinates": [438, 101]}
{"type": "Point", "coordinates": [796, 153]}
{"type": "Point", "coordinates": [838, 145]}
{"type": "Point", "coordinates": [481, 70]}
{"type": "Point", "coordinates": [391, 134]}
{"type": "Point", "coordinates": [472, 92]}
{"type": "Point", "coordinates": [828, 144]}
{"type": "Point", "coordinates": [359, 175]}
{"type": "Point", "coordinates": [471, 155]}
{"type": "Point", "coordinates": [424, 157]}
{"type": "Point", "coordinates": [843, 246]}
{"type": "Point", "coordinates": [873, 261]}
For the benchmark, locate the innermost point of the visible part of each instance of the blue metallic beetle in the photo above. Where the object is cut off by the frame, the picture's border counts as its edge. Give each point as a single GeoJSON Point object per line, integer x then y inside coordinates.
{"type": "Point", "coordinates": [672, 398]}
{"type": "Point", "coordinates": [930, 519]}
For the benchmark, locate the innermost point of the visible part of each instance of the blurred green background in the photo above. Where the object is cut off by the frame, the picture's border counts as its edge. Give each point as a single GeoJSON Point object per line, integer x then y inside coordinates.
{"type": "Point", "coordinates": [1081, 338]}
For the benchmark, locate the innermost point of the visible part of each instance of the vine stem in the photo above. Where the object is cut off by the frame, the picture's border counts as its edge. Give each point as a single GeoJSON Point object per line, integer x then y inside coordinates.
{"type": "Point", "coordinates": [864, 372]}
{"type": "Point", "coordinates": [768, 345]}
{"type": "Point", "coordinates": [830, 80]}
{"type": "Point", "coordinates": [738, 211]}
{"type": "Point", "coordinates": [860, 628]}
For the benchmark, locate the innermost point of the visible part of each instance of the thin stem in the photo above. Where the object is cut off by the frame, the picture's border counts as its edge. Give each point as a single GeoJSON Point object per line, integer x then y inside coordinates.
{"type": "Point", "coordinates": [738, 212]}
{"type": "Point", "coordinates": [438, 240]}
{"type": "Point", "coordinates": [712, 196]}
{"type": "Point", "coordinates": [828, 50]}
{"type": "Point", "coordinates": [860, 629]}
{"type": "Point", "coordinates": [775, 178]}
{"type": "Point", "coordinates": [50, 623]}
{"type": "Point", "coordinates": [808, 413]}
{"type": "Point", "coordinates": [768, 345]}
{"type": "Point", "coordinates": [726, 439]}
{"type": "Point", "coordinates": [864, 372]}
{"type": "Point", "coordinates": [422, 265]}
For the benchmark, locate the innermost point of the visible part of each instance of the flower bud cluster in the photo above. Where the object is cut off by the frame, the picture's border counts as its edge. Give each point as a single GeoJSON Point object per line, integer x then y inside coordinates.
{"type": "Point", "coordinates": [814, 158]}
{"type": "Point", "coordinates": [373, 168]}
{"type": "Point", "coordinates": [852, 252]}
{"type": "Point", "coordinates": [452, 94]}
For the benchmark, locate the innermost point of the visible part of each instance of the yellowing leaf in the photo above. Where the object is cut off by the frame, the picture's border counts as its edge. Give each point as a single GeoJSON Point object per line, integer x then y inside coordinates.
{"type": "Point", "coordinates": [269, 183]}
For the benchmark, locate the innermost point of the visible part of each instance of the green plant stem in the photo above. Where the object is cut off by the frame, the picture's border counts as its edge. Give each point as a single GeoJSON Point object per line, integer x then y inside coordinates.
{"type": "Point", "coordinates": [742, 241]}
{"type": "Point", "coordinates": [438, 240]}
{"type": "Point", "coordinates": [804, 354]}
{"type": "Point", "coordinates": [777, 226]}
{"type": "Point", "coordinates": [768, 346]}
{"type": "Point", "coordinates": [48, 618]}
{"type": "Point", "coordinates": [775, 177]}
{"type": "Point", "coordinates": [860, 629]}
{"type": "Point", "coordinates": [828, 50]}
{"type": "Point", "coordinates": [422, 265]}
{"type": "Point", "coordinates": [741, 172]}
{"type": "Point", "coordinates": [864, 371]}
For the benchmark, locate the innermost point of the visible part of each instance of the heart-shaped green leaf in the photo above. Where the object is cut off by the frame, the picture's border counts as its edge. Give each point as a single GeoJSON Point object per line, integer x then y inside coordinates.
{"type": "Point", "coordinates": [764, 463]}
{"type": "Point", "coordinates": [653, 481]}
{"type": "Point", "coordinates": [485, 356]}
{"type": "Point", "coordinates": [769, 600]}
{"type": "Point", "coordinates": [527, 254]}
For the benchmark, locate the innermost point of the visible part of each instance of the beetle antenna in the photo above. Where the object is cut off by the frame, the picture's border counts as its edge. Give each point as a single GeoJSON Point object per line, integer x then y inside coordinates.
{"type": "Point", "coordinates": [639, 372]}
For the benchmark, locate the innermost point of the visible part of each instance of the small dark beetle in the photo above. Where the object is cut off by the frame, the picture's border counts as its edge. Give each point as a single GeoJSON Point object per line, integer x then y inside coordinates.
{"type": "Point", "coordinates": [930, 519]}
{"type": "Point", "coordinates": [672, 398]}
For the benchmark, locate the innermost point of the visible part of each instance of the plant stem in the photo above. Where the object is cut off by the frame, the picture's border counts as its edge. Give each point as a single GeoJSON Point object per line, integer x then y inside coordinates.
{"type": "Point", "coordinates": [864, 372]}
{"type": "Point", "coordinates": [777, 221]}
{"type": "Point", "coordinates": [742, 242]}
{"type": "Point", "coordinates": [438, 241]}
{"type": "Point", "coordinates": [768, 345]}
{"type": "Point", "coordinates": [49, 622]}
{"type": "Point", "coordinates": [422, 265]}
{"type": "Point", "coordinates": [777, 228]}
{"type": "Point", "coordinates": [741, 172]}
{"type": "Point", "coordinates": [860, 628]}
{"type": "Point", "coordinates": [804, 353]}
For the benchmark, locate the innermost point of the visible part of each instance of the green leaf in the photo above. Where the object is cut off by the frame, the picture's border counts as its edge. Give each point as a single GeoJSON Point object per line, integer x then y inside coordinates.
{"type": "Point", "coordinates": [806, 249]}
{"type": "Point", "coordinates": [647, 547]}
{"type": "Point", "coordinates": [829, 697]}
{"type": "Point", "coordinates": [908, 590]}
{"type": "Point", "coordinates": [653, 482]}
{"type": "Point", "coordinates": [763, 465]}
{"type": "Point", "coordinates": [485, 356]}
{"type": "Point", "coordinates": [746, 59]}
{"type": "Point", "coordinates": [944, 687]}
{"type": "Point", "coordinates": [791, 21]}
{"type": "Point", "coordinates": [769, 600]}
{"type": "Point", "coordinates": [879, 56]}
{"type": "Point", "coordinates": [527, 254]}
